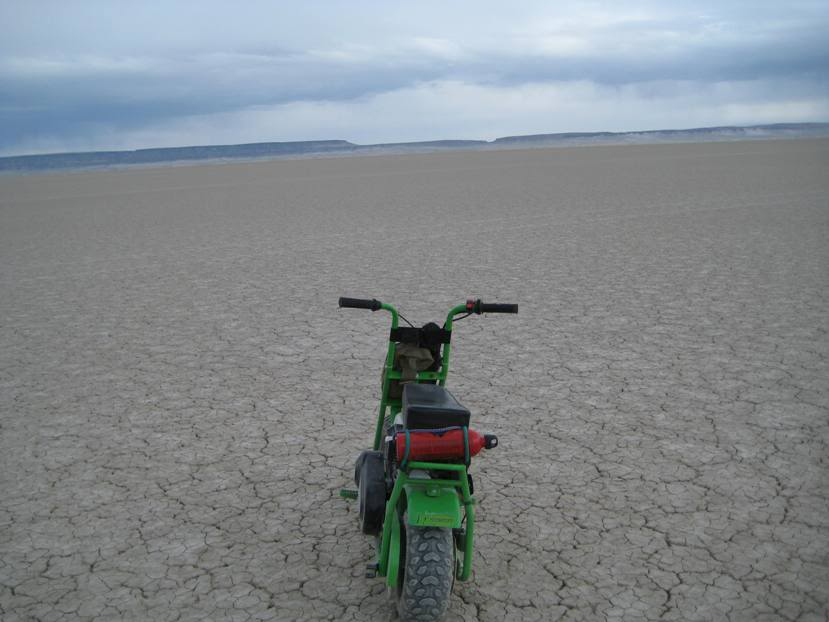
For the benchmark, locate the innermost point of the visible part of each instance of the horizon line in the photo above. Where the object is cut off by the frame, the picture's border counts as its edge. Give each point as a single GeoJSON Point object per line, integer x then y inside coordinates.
{"type": "Point", "coordinates": [347, 143]}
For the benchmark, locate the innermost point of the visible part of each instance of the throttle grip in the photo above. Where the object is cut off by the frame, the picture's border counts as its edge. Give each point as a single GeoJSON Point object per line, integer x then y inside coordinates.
{"type": "Point", "coordinates": [493, 307]}
{"type": "Point", "coordinates": [477, 306]}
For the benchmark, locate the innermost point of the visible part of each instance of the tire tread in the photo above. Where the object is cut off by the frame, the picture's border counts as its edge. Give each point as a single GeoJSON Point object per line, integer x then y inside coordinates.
{"type": "Point", "coordinates": [429, 574]}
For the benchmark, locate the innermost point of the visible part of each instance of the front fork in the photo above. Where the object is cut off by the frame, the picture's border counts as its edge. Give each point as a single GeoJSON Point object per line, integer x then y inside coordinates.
{"type": "Point", "coordinates": [389, 373]}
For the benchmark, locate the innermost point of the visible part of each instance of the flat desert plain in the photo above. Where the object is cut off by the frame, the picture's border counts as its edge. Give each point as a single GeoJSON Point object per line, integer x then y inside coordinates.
{"type": "Point", "coordinates": [181, 399]}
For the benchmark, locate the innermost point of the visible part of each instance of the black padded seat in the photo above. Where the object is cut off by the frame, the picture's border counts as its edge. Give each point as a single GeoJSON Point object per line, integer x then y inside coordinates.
{"type": "Point", "coordinates": [431, 406]}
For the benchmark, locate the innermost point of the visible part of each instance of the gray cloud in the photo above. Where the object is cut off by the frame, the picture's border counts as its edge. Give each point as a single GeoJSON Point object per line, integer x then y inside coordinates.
{"type": "Point", "coordinates": [101, 75]}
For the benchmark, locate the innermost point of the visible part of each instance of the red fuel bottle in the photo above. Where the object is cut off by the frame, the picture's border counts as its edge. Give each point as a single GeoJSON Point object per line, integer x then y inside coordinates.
{"type": "Point", "coordinates": [427, 445]}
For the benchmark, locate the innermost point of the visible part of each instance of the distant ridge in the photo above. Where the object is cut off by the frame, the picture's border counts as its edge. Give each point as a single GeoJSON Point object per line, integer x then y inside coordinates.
{"type": "Point", "coordinates": [723, 131]}
{"type": "Point", "coordinates": [170, 154]}
{"type": "Point", "coordinates": [310, 148]}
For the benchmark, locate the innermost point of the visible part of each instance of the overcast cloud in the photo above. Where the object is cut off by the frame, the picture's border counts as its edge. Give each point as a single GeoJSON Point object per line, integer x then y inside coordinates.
{"type": "Point", "coordinates": [112, 75]}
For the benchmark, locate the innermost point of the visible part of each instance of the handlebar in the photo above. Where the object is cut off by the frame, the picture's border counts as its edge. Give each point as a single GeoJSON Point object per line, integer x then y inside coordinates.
{"type": "Point", "coordinates": [477, 306]}
{"type": "Point", "coordinates": [360, 303]}
{"type": "Point", "coordinates": [464, 310]}
{"type": "Point", "coordinates": [471, 306]}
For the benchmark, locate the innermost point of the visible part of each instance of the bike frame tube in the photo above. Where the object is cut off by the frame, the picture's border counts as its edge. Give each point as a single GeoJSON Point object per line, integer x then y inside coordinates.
{"type": "Point", "coordinates": [448, 347]}
{"type": "Point", "coordinates": [462, 486]}
{"type": "Point", "coordinates": [384, 398]}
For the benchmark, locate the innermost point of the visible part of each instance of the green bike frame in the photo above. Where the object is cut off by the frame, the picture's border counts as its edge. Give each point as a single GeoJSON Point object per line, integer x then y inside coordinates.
{"type": "Point", "coordinates": [426, 502]}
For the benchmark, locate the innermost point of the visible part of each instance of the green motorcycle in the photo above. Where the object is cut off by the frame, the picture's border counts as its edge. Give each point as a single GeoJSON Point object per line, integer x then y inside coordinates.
{"type": "Point", "coordinates": [413, 487]}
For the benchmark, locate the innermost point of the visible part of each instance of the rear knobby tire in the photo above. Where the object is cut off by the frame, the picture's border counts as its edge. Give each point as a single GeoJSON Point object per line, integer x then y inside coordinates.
{"type": "Point", "coordinates": [428, 574]}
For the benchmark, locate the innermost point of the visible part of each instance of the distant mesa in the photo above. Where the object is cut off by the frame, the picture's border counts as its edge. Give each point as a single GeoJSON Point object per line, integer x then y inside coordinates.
{"type": "Point", "coordinates": [719, 132]}
{"type": "Point", "coordinates": [311, 148]}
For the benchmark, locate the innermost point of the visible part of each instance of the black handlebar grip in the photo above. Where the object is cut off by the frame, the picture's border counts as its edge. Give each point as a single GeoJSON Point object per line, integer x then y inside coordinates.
{"type": "Point", "coordinates": [491, 307]}
{"type": "Point", "coordinates": [360, 303]}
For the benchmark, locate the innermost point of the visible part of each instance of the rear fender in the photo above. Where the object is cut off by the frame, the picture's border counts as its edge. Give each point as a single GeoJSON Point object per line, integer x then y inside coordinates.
{"type": "Point", "coordinates": [432, 506]}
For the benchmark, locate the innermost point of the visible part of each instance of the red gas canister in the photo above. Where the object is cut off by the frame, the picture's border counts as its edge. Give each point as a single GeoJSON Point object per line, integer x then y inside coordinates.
{"type": "Point", "coordinates": [429, 445]}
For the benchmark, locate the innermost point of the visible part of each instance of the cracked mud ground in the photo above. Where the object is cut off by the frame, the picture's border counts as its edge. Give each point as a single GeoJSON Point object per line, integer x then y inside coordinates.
{"type": "Point", "coordinates": [181, 399]}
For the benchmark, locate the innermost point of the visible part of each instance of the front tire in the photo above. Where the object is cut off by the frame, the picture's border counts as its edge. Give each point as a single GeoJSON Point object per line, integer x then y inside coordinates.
{"type": "Point", "coordinates": [371, 491]}
{"type": "Point", "coordinates": [428, 574]}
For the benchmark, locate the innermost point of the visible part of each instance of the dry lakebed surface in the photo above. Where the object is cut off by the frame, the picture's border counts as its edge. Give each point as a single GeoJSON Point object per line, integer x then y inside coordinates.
{"type": "Point", "coordinates": [181, 399]}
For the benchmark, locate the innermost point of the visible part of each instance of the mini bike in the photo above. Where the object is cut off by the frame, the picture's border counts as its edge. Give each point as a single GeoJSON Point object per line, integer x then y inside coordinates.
{"type": "Point", "coordinates": [413, 487]}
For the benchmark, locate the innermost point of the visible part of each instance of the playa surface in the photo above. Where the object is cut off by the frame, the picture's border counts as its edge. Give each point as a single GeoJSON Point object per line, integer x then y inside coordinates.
{"type": "Point", "coordinates": [181, 399]}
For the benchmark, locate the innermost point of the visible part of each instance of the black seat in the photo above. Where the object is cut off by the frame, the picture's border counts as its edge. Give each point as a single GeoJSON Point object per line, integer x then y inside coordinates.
{"type": "Point", "coordinates": [430, 406]}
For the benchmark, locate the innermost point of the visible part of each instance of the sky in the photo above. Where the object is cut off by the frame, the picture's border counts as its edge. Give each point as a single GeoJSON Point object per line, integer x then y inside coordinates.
{"type": "Point", "coordinates": [93, 75]}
